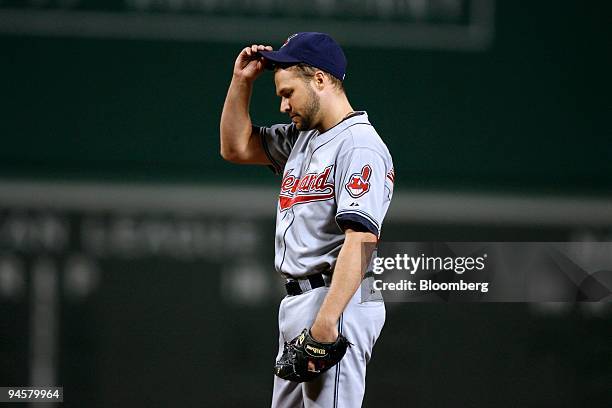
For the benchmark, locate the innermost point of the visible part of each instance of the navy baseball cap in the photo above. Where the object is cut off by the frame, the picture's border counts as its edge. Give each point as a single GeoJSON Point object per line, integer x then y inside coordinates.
{"type": "Point", "coordinates": [316, 49]}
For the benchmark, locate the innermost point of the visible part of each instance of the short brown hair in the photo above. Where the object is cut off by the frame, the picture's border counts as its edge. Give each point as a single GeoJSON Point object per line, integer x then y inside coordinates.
{"type": "Point", "coordinates": [307, 71]}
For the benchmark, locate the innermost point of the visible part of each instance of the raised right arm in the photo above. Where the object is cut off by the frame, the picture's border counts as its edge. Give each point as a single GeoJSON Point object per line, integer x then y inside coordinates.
{"type": "Point", "coordinates": [239, 144]}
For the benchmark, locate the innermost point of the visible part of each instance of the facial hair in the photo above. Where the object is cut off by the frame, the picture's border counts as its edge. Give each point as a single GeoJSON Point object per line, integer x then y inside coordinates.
{"type": "Point", "coordinates": [310, 112]}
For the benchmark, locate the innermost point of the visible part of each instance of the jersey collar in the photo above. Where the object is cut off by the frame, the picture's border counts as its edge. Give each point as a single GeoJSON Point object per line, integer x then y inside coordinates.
{"type": "Point", "coordinates": [350, 120]}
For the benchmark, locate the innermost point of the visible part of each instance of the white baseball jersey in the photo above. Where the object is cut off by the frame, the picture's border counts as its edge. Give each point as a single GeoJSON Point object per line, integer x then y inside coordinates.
{"type": "Point", "coordinates": [342, 178]}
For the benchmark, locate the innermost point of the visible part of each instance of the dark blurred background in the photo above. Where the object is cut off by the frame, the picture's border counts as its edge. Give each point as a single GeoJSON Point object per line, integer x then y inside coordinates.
{"type": "Point", "coordinates": [136, 265]}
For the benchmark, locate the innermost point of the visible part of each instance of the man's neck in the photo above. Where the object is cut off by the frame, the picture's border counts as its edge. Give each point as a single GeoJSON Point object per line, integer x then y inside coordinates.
{"type": "Point", "coordinates": [335, 113]}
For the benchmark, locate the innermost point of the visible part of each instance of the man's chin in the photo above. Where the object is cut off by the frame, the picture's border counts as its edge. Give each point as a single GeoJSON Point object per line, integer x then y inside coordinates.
{"type": "Point", "coordinates": [302, 126]}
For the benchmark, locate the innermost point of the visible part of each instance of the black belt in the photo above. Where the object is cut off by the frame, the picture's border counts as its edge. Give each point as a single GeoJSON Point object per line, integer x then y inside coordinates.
{"type": "Point", "coordinates": [298, 286]}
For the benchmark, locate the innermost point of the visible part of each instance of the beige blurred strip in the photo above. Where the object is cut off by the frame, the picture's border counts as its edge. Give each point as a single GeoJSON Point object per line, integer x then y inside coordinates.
{"type": "Point", "coordinates": [260, 201]}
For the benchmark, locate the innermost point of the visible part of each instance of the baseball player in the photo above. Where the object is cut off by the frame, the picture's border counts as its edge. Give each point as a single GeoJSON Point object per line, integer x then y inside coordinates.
{"type": "Point", "coordinates": [336, 187]}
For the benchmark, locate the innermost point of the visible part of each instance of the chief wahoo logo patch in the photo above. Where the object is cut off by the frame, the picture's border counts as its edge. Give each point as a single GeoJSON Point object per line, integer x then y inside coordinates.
{"type": "Point", "coordinates": [359, 183]}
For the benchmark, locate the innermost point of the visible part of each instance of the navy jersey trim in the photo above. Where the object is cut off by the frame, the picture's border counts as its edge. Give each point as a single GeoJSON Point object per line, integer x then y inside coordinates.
{"type": "Point", "coordinates": [356, 222]}
{"type": "Point", "coordinates": [362, 213]}
{"type": "Point", "coordinates": [351, 115]}
{"type": "Point", "coordinates": [280, 267]}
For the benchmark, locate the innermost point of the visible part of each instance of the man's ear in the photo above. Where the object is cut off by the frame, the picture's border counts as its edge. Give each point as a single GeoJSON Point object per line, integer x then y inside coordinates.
{"type": "Point", "coordinates": [319, 79]}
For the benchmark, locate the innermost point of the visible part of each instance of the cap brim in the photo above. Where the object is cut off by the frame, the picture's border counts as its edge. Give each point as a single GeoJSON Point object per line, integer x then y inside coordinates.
{"type": "Point", "coordinates": [278, 58]}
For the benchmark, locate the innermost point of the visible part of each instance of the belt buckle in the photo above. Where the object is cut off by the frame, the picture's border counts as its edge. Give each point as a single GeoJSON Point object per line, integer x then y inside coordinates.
{"type": "Point", "coordinates": [293, 288]}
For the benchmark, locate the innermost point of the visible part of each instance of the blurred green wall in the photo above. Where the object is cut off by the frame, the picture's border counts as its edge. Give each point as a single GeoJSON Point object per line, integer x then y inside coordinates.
{"type": "Point", "coordinates": [528, 114]}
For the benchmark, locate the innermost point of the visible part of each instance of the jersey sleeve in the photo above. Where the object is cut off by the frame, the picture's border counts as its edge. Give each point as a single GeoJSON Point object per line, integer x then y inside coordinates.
{"type": "Point", "coordinates": [277, 142]}
{"type": "Point", "coordinates": [364, 190]}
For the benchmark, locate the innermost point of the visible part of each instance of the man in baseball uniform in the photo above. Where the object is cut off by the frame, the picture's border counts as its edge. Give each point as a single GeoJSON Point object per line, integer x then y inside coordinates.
{"type": "Point", "coordinates": [336, 187]}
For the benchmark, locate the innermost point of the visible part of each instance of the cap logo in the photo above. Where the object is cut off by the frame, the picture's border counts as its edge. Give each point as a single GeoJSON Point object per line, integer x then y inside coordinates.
{"type": "Point", "coordinates": [288, 39]}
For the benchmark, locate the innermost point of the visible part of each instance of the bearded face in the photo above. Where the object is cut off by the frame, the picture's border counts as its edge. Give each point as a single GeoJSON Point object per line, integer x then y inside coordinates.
{"type": "Point", "coordinates": [298, 99]}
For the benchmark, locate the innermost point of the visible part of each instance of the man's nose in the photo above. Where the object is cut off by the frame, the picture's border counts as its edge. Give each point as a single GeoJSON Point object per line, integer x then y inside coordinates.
{"type": "Point", "coordinates": [284, 106]}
